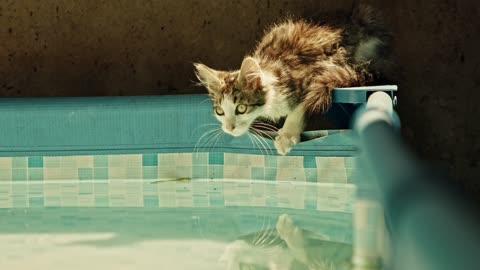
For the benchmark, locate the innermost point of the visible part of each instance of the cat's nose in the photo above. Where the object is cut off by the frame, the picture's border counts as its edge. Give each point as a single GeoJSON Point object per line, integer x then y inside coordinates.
{"type": "Point", "coordinates": [231, 127]}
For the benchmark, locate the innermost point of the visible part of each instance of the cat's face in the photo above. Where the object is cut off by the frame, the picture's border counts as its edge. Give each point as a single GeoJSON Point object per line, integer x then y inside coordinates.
{"type": "Point", "coordinates": [238, 97]}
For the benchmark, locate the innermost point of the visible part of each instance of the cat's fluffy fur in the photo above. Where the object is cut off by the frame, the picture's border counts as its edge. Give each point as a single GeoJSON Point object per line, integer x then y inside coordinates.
{"type": "Point", "coordinates": [292, 73]}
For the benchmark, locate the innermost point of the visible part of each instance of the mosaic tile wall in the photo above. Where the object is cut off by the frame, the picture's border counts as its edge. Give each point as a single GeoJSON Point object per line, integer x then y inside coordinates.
{"type": "Point", "coordinates": [125, 180]}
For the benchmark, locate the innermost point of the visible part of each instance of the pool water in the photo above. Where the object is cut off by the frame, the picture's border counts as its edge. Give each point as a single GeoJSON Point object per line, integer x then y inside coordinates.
{"type": "Point", "coordinates": [146, 238]}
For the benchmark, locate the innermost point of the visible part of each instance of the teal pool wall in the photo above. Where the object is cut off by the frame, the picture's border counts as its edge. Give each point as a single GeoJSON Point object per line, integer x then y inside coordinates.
{"type": "Point", "coordinates": [106, 151]}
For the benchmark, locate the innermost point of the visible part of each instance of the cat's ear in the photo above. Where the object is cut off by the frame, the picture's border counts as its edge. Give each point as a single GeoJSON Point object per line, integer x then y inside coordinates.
{"type": "Point", "coordinates": [208, 77]}
{"type": "Point", "coordinates": [250, 76]}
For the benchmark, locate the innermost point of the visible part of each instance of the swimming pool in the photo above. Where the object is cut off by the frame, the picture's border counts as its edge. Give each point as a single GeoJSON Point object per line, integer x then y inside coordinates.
{"type": "Point", "coordinates": [180, 232]}
{"type": "Point", "coordinates": [126, 182]}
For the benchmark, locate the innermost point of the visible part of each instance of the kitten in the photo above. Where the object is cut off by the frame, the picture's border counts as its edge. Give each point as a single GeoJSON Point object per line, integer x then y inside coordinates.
{"type": "Point", "coordinates": [292, 73]}
{"type": "Point", "coordinates": [287, 247]}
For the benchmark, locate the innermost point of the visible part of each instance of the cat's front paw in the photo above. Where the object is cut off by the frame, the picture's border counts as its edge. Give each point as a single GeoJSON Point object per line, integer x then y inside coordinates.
{"type": "Point", "coordinates": [288, 231]}
{"type": "Point", "coordinates": [285, 141]}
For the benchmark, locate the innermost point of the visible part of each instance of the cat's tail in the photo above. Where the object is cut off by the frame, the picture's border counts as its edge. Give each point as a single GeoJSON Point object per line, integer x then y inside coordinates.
{"type": "Point", "coordinates": [374, 44]}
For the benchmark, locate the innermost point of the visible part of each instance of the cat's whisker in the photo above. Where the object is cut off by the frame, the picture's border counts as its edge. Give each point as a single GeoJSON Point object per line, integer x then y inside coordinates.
{"type": "Point", "coordinates": [207, 99]}
{"type": "Point", "coordinates": [267, 235]}
{"type": "Point", "coordinates": [273, 239]}
{"type": "Point", "coordinates": [261, 146]}
{"type": "Point", "coordinates": [220, 135]}
{"type": "Point", "coordinates": [255, 142]}
{"type": "Point", "coordinates": [259, 233]}
{"type": "Point", "coordinates": [207, 135]}
{"type": "Point", "coordinates": [202, 126]}
{"type": "Point", "coordinates": [213, 138]}
{"type": "Point", "coordinates": [266, 134]}
{"type": "Point", "coordinates": [265, 125]}
{"type": "Point", "coordinates": [262, 140]}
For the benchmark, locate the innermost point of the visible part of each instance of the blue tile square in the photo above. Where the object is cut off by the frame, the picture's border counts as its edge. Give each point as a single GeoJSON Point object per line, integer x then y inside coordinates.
{"type": "Point", "coordinates": [258, 173]}
{"type": "Point", "coordinates": [35, 162]}
{"type": "Point", "coordinates": [271, 161]}
{"type": "Point", "coordinates": [150, 201]}
{"type": "Point", "coordinates": [215, 158]}
{"type": "Point", "coordinates": [85, 173]}
{"type": "Point", "coordinates": [150, 159]}
{"type": "Point", "coordinates": [217, 201]}
{"type": "Point", "coordinates": [215, 171]}
{"type": "Point", "coordinates": [200, 171]}
{"type": "Point", "coordinates": [36, 202]}
{"type": "Point", "coordinates": [35, 174]}
{"type": "Point", "coordinates": [309, 162]}
{"type": "Point", "coordinates": [310, 204]}
{"type": "Point", "coordinates": [35, 190]}
{"type": "Point", "coordinates": [19, 162]}
{"type": "Point", "coordinates": [19, 174]}
{"type": "Point", "coordinates": [311, 175]}
{"type": "Point", "coordinates": [100, 161]}
{"type": "Point", "coordinates": [150, 172]}
{"type": "Point", "coordinates": [200, 159]}
{"type": "Point", "coordinates": [270, 173]}
{"type": "Point", "coordinates": [100, 173]}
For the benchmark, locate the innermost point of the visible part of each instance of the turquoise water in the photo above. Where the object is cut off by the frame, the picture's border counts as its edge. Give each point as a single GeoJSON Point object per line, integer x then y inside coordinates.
{"type": "Point", "coordinates": [144, 238]}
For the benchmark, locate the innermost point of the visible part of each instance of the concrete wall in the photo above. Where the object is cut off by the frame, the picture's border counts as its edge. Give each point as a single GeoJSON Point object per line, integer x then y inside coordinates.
{"type": "Point", "coordinates": [139, 47]}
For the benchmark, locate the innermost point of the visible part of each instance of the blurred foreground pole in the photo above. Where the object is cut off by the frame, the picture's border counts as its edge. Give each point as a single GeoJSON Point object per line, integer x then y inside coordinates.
{"type": "Point", "coordinates": [432, 226]}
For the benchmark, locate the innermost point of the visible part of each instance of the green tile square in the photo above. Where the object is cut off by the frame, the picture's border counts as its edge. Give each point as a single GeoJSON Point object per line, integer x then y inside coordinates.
{"type": "Point", "coordinates": [270, 173]}
{"type": "Point", "coordinates": [270, 161]}
{"type": "Point", "coordinates": [35, 162]}
{"type": "Point", "coordinates": [200, 171]}
{"type": "Point", "coordinates": [215, 158]}
{"type": "Point", "coordinates": [150, 159]}
{"type": "Point", "coordinates": [85, 173]}
{"type": "Point", "coordinates": [36, 202]}
{"type": "Point", "coordinates": [311, 175]}
{"type": "Point", "coordinates": [100, 161]}
{"type": "Point", "coordinates": [100, 173]}
{"type": "Point", "coordinates": [19, 174]}
{"type": "Point", "coordinates": [150, 172]}
{"type": "Point", "coordinates": [215, 171]}
{"type": "Point", "coordinates": [309, 162]}
{"type": "Point", "coordinates": [258, 173]}
{"type": "Point", "coordinates": [35, 174]}
{"type": "Point", "coordinates": [35, 190]}
{"type": "Point", "coordinates": [200, 159]}
{"type": "Point", "coordinates": [19, 162]}
{"type": "Point", "coordinates": [150, 201]}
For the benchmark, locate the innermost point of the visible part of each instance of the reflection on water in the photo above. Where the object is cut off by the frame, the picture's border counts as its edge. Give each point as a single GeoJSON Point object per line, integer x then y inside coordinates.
{"type": "Point", "coordinates": [175, 238]}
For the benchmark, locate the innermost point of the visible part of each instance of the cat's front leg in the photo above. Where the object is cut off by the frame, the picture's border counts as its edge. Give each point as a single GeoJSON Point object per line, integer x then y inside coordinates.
{"type": "Point", "coordinates": [289, 134]}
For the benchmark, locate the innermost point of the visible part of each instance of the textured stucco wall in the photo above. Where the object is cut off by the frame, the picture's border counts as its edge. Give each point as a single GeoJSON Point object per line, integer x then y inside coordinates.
{"type": "Point", "coordinates": [125, 47]}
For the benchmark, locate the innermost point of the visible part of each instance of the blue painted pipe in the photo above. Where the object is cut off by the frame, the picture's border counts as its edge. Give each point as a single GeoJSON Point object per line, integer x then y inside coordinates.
{"type": "Point", "coordinates": [432, 225]}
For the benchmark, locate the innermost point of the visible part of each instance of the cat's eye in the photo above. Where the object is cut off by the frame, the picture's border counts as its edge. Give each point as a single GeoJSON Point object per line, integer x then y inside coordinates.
{"type": "Point", "coordinates": [241, 109]}
{"type": "Point", "coordinates": [219, 110]}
